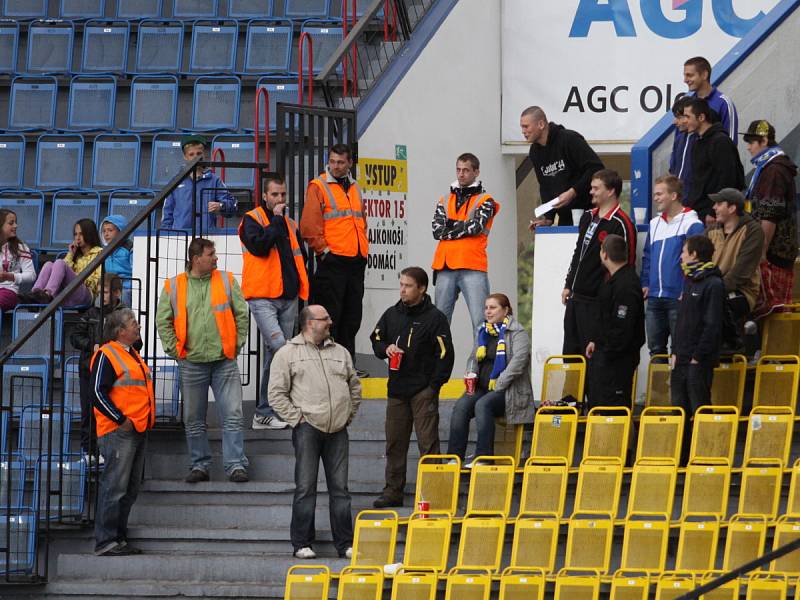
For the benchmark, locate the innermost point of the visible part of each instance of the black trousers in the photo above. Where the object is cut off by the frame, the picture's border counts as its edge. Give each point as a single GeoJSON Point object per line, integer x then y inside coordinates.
{"type": "Point", "coordinates": [88, 433]}
{"type": "Point", "coordinates": [338, 285]}
{"type": "Point", "coordinates": [690, 388]}
{"type": "Point", "coordinates": [611, 379]}
{"type": "Point", "coordinates": [580, 325]}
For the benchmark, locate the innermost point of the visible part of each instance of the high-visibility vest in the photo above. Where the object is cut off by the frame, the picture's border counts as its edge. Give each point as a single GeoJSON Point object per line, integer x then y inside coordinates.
{"type": "Point", "coordinates": [468, 252]}
{"type": "Point", "coordinates": [221, 305]}
{"type": "Point", "coordinates": [262, 276]}
{"type": "Point", "coordinates": [343, 221]}
{"type": "Point", "coordinates": [132, 392]}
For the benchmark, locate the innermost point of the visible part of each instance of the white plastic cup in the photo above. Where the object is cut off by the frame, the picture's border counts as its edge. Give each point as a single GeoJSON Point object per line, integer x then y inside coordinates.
{"type": "Point", "coordinates": [640, 214]}
{"type": "Point", "coordinates": [577, 213]}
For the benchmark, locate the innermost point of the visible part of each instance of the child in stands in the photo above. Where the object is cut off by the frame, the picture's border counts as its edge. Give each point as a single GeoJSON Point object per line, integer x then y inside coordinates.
{"type": "Point", "coordinates": [16, 264]}
{"type": "Point", "coordinates": [121, 260]}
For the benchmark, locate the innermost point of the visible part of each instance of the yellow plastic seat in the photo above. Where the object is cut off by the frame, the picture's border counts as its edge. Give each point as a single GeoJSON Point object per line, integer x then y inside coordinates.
{"type": "Point", "coordinates": [428, 541]}
{"type": "Point", "coordinates": [697, 543]}
{"type": "Point", "coordinates": [793, 501]}
{"type": "Point", "coordinates": [491, 484]}
{"type": "Point", "coordinates": [727, 591]}
{"type": "Point", "coordinates": [599, 484]}
{"type": "Point", "coordinates": [714, 433]}
{"type": "Point", "coordinates": [437, 482]}
{"type": "Point", "coordinates": [745, 542]}
{"type": "Point", "coordinates": [607, 431]}
{"type": "Point", "coordinates": [760, 490]}
{"type": "Point", "coordinates": [307, 582]}
{"type": "Point", "coordinates": [653, 486]}
{"type": "Point", "coordinates": [544, 485]}
{"type": "Point", "coordinates": [658, 388]}
{"type": "Point", "coordinates": [522, 584]}
{"type": "Point", "coordinates": [554, 431]}
{"type": "Point", "coordinates": [577, 584]}
{"type": "Point", "coordinates": [728, 384]}
{"type": "Point", "coordinates": [564, 375]}
{"type": "Point", "coordinates": [769, 433]}
{"type": "Point", "coordinates": [644, 545]}
{"type": "Point", "coordinates": [535, 542]}
{"type": "Point", "coordinates": [706, 487]}
{"type": "Point", "coordinates": [660, 433]}
{"type": "Point", "coordinates": [360, 583]}
{"type": "Point", "coordinates": [627, 585]}
{"type": "Point", "coordinates": [508, 440]}
{"type": "Point", "coordinates": [374, 538]}
{"type": "Point", "coordinates": [481, 543]}
{"type": "Point", "coordinates": [468, 584]}
{"type": "Point", "coordinates": [777, 378]}
{"type": "Point", "coordinates": [416, 584]}
{"type": "Point", "coordinates": [589, 541]}
{"type": "Point", "coordinates": [787, 530]}
{"type": "Point", "coordinates": [767, 586]}
{"type": "Point", "coordinates": [674, 584]}
{"type": "Point", "coordinates": [781, 334]}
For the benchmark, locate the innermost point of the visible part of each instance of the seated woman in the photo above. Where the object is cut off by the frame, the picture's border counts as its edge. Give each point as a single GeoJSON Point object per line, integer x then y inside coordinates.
{"type": "Point", "coordinates": [55, 276]}
{"type": "Point", "coordinates": [16, 263]}
{"type": "Point", "coordinates": [501, 359]}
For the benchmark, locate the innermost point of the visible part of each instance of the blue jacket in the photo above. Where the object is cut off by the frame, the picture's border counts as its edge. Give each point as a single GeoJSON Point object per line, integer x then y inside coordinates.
{"type": "Point", "coordinates": [121, 260]}
{"type": "Point", "coordinates": [724, 107]}
{"type": "Point", "coordinates": [661, 261]}
{"type": "Point", "coordinates": [179, 208]}
{"type": "Point", "coordinates": [680, 161]}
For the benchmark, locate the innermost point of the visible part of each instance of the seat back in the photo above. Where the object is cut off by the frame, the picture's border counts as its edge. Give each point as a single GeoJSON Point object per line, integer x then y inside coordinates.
{"type": "Point", "coordinates": [50, 47]}
{"type": "Point", "coordinates": [787, 530]}
{"type": "Point", "coordinates": [278, 90]}
{"type": "Point", "coordinates": [644, 546]}
{"type": "Point", "coordinates": [115, 161]}
{"type": "Point", "coordinates": [250, 9]}
{"type": "Point", "coordinates": [767, 586]}
{"type": "Point", "coordinates": [660, 433]}
{"type": "Point", "coordinates": [105, 46]}
{"type": "Point", "coordinates": [42, 432]}
{"type": "Point", "coordinates": [518, 583]}
{"type": "Point", "coordinates": [216, 103]}
{"type": "Point", "coordinates": [652, 486]}
{"type": "Point", "coordinates": [360, 583]}
{"type": "Point", "coordinates": [166, 160]}
{"type": "Point", "coordinates": [544, 485]}
{"type": "Point", "coordinates": [417, 583]}
{"type": "Point", "coordinates": [65, 479]}
{"type": "Point", "coordinates": [760, 491]}
{"type": "Point", "coordinates": [72, 385]}
{"type": "Point", "coordinates": [159, 47]}
{"type": "Point", "coordinates": [307, 582]}
{"type": "Point", "coordinates": [564, 376]}
{"type": "Point", "coordinates": [375, 536]}
{"type": "Point", "coordinates": [627, 585]}
{"type": "Point", "coordinates": [59, 161]}
{"type": "Point", "coordinates": [769, 433]}
{"type": "Point", "coordinates": [92, 102]}
{"type": "Point", "coordinates": [706, 486]}
{"type": "Point", "coordinates": [745, 540]}
{"type": "Point", "coordinates": [268, 46]}
{"type": "Point", "coordinates": [81, 9]}
{"type": "Point", "coordinates": [599, 485]}
{"type": "Point", "coordinates": [607, 431]}
{"type": "Point", "coordinates": [714, 433]}
{"type": "Point", "coordinates": [481, 541]}
{"type": "Point", "coordinates": [326, 37]}
{"type": "Point", "coordinates": [777, 379]}
{"type": "Point", "coordinates": [194, 9]}
{"type": "Point", "coordinates": [427, 541]}
{"type": "Point", "coordinates": [303, 9]}
{"type": "Point", "coordinates": [25, 9]}
{"type": "Point", "coordinates": [12, 161]}
{"type": "Point", "coordinates": [213, 48]}
{"type": "Point", "coordinates": [781, 335]}
{"type": "Point", "coordinates": [12, 479]}
{"type": "Point", "coordinates": [491, 485]}
{"type": "Point", "coordinates": [658, 374]}
{"type": "Point", "coordinates": [468, 584]}
{"type": "Point", "coordinates": [437, 482]}
{"type": "Point", "coordinates": [68, 208]}
{"type": "Point", "coordinates": [138, 9]}
{"type": "Point", "coordinates": [535, 541]}
{"type": "Point", "coordinates": [237, 148]}
{"type": "Point", "coordinates": [554, 432]}
{"type": "Point", "coordinates": [24, 384]}
{"type": "Point", "coordinates": [589, 541]}
{"type": "Point", "coordinates": [577, 584]}
{"type": "Point", "coordinates": [154, 102]}
{"type": "Point", "coordinates": [9, 43]}
{"type": "Point", "coordinates": [726, 591]}
{"type": "Point", "coordinates": [166, 385]}
{"type": "Point", "coordinates": [727, 387]}
{"type": "Point", "coordinates": [32, 103]}
{"type": "Point", "coordinates": [130, 203]}
{"type": "Point", "coordinates": [37, 346]}
{"type": "Point", "coordinates": [21, 529]}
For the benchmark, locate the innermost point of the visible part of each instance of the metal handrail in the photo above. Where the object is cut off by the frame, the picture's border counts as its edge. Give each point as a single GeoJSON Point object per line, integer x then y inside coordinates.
{"type": "Point", "coordinates": [260, 93]}
{"type": "Point", "coordinates": [305, 36]}
{"type": "Point", "coordinates": [350, 40]}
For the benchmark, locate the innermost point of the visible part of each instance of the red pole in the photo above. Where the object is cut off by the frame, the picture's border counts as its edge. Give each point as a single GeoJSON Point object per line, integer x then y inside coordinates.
{"type": "Point", "coordinates": [300, 79]}
{"type": "Point", "coordinates": [260, 93]}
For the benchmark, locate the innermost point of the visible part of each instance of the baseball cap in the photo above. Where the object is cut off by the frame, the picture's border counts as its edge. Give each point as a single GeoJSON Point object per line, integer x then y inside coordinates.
{"type": "Point", "coordinates": [758, 129]}
{"type": "Point", "coordinates": [729, 195]}
{"type": "Point", "coordinates": [193, 139]}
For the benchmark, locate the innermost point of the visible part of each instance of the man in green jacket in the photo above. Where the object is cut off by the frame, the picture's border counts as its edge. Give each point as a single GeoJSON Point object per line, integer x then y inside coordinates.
{"type": "Point", "coordinates": [202, 322]}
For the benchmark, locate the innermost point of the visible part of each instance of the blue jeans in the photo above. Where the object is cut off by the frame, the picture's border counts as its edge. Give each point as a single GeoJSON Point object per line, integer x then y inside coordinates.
{"type": "Point", "coordinates": [119, 485]}
{"type": "Point", "coordinates": [275, 320]}
{"type": "Point", "coordinates": [485, 407]}
{"type": "Point", "coordinates": [223, 377]}
{"type": "Point", "coordinates": [473, 284]}
{"type": "Point", "coordinates": [660, 319]}
{"type": "Point", "coordinates": [311, 444]}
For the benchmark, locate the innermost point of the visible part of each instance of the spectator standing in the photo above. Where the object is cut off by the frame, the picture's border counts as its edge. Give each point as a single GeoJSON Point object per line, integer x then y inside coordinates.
{"type": "Point", "coordinates": [273, 279]}
{"type": "Point", "coordinates": [314, 387]}
{"type": "Point", "coordinates": [121, 260]}
{"type": "Point", "coordinates": [501, 358]}
{"type": "Point", "coordinates": [16, 262]}
{"type": "Point", "coordinates": [462, 224]}
{"type": "Point", "coordinates": [697, 77]}
{"type": "Point", "coordinates": [563, 162]}
{"type": "Point", "coordinates": [614, 353]}
{"type": "Point", "coordinates": [772, 194]}
{"type": "Point", "coordinates": [416, 335]}
{"type": "Point", "coordinates": [586, 271]}
{"type": "Point", "coordinates": [334, 225]}
{"type": "Point", "coordinates": [662, 277]}
{"type": "Point", "coordinates": [202, 322]}
{"type": "Point", "coordinates": [715, 159]}
{"type": "Point", "coordinates": [680, 160]}
{"type": "Point", "coordinates": [180, 205]}
{"type": "Point", "coordinates": [124, 408]}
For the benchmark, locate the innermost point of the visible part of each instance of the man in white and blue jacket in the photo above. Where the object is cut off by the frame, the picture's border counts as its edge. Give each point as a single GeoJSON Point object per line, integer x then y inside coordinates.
{"type": "Point", "coordinates": [662, 277]}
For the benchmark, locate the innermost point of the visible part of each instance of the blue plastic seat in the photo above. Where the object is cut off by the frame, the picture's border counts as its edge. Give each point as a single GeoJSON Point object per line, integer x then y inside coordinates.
{"type": "Point", "coordinates": [130, 203]}
{"type": "Point", "coordinates": [25, 9]}
{"type": "Point", "coordinates": [166, 382]}
{"type": "Point", "coordinates": [213, 48]}
{"type": "Point", "coordinates": [139, 9]}
{"type": "Point", "coordinates": [92, 102]}
{"type": "Point", "coordinates": [68, 208]}
{"type": "Point", "coordinates": [250, 9]}
{"type": "Point", "coordinates": [115, 161]}
{"type": "Point", "coordinates": [67, 486]}
{"type": "Point", "coordinates": [326, 38]}
{"type": "Point", "coordinates": [81, 9]}
{"type": "Point", "coordinates": [32, 103]}
{"type": "Point", "coordinates": [12, 475]}
{"type": "Point", "coordinates": [216, 103]}
{"type": "Point", "coordinates": [159, 47]}
{"type": "Point", "coordinates": [9, 43]}
{"type": "Point", "coordinates": [25, 379]}
{"type": "Point", "coordinates": [42, 432]}
{"type": "Point", "coordinates": [236, 148]}
{"type": "Point", "coordinates": [105, 47]}
{"type": "Point", "coordinates": [59, 161]}
{"type": "Point", "coordinates": [50, 47]}
{"type": "Point", "coordinates": [29, 208]}
{"type": "Point", "coordinates": [166, 160]}
{"type": "Point", "coordinates": [194, 9]}
{"type": "Point", "coordinates": [12, 161]}
{"type": "Point", "coordinates": [154, 103]}
{"type": "Point", "coordinates": [72, 385]}
{"type": "Point", "coordinates": [304, 9]}
{"type": "Point", "coordinates": [268, 46]}
{"type": "Point", "coordinates": [278, 91]}
{"type": "Point", "coordinates": [20, 529]}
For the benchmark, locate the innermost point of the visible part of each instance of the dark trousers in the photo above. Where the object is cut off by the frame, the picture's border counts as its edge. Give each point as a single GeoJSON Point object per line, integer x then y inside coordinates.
{"type": "Point", "coordinates": [690, 388]}
{"type": "Point", "coordinates": [338, 285]}
{"type": "Point", "coordinates": [580, 325]}
{"type": "Point", "coordinates": [611, 379]}
{"type": "Point", "coordinates": [421, 412]}
{"type": "Point", "coordinates": [120, 481]}
{"type": "Point", "coordinates": [311, 445]}
{"type": "Point", "coordinates": [88, 433]}
{"type": "Point", "coordinates": [485, 407]}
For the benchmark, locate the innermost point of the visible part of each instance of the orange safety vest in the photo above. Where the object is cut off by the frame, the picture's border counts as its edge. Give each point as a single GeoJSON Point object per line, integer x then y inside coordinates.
{"type": "Point", "coordinates": [221, 306]}
{"type": "Point", "coordinates": [132, 391]}
{"type": "Point", "coordinates": [469, 252]}
{"type": "Point", "coordinates": [343, 220]}
{"type": "Point", "coordinates": [261, 275]}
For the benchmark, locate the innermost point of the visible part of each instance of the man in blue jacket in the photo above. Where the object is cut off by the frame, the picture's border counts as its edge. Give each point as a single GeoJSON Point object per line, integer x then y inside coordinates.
{"type": "Point", "coordinates": [179, 207]}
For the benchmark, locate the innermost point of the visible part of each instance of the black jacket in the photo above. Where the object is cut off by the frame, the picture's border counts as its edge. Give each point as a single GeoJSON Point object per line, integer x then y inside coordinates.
{"type": "Point", "coordinates": [423, 333]}
{"type": "Point", "coordinates": [89, 331]}
{"type": "Point", "coordinates": [621, 308]}
{"type": "Point", "coordinates": [698, 333]}
{"type": "Point", "coordinates": [566, 161]}
{"type": "Point", "coordinates": [715, 165]}
{"type": "Point", "coordinates": [586, 272]}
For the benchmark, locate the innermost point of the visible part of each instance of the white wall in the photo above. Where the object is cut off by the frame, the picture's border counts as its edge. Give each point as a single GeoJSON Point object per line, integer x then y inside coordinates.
{"type": "Point", "coordinates": [449, 103]}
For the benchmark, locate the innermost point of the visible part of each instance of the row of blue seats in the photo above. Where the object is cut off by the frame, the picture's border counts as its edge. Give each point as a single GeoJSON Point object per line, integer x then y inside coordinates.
{"type": "Point", "coordinates": [214, 46]}
{"type": "Point", "coordinates": [67, 477]}
{"type": "Point", "coordinates": [41, 432]}
{"type": "Point", "coordinates": [153, 103]}
{"type": "Point", "coordinates": [184, 9]}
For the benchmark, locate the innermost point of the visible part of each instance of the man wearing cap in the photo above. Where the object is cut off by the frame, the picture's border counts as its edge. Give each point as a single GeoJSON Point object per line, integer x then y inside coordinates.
{"type": "Point", "coordinates": [771, 194]}
{"type": "Point", "coordinates": [179, 207]}
{"type": "Point", "coordinates": [738, 245]}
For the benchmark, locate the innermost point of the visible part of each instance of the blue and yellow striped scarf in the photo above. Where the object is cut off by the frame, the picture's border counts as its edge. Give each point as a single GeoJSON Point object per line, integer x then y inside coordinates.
{"type": "Point", "coordinates": [497, 330]}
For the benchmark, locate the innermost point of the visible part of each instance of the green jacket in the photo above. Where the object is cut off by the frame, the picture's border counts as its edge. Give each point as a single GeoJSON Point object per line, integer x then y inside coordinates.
{"type": "Point", "coordinates": [203, 344]}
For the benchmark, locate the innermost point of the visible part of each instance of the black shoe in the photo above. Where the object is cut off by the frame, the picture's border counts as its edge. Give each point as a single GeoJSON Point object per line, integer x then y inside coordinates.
{"type": "Point", "coordinates": [41, 297]}
{"type": "Point", "coordinates": [362, 374]}
{"type": "Point", "coordinates": [119, 550]}
{"type": "Point", "coordinates": [130, 549]}
{"type": "Point", "coordinates": [238, 476]}
{"type": "Point", "coordinates": [196, 476]}
{"type": "Point", "coordinates": [384, 502]}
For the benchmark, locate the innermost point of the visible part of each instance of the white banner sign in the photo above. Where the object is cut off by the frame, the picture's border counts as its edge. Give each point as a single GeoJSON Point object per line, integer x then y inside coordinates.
{"type": "Point", "coordinates": [610, 69]}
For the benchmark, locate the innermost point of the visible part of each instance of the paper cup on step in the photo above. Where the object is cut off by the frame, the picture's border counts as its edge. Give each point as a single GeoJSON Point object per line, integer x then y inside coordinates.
{"type": "Point", "coordinates": [640, 214]}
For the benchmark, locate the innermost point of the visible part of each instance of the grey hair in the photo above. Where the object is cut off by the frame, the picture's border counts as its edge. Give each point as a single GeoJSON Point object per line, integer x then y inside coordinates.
{"type": "Point", "coordinates": [116, 321]}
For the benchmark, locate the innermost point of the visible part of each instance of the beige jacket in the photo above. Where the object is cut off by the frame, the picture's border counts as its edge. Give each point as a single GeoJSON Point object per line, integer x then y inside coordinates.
{"type": "Point", "coordinates": [319, 384]}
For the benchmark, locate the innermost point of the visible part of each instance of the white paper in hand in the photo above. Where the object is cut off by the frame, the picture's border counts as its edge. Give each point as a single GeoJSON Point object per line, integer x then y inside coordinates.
{"type": "Point", "coordinates": [545, 208]}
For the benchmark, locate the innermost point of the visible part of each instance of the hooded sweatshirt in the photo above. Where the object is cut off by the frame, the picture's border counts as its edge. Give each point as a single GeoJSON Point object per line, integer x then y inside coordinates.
{"type": "Point", "coordinates": [698, 332]}
{"type": "Point", "coordinates": [179, 205]}
{"type": "Point", "coordinates": [715, 165]}
{"type": "Point", "coordinates": [773, 198]}
{"type": "Point", "coordinates": [121, 260]}
{"type": "Point", "coordinates": [661, 259]}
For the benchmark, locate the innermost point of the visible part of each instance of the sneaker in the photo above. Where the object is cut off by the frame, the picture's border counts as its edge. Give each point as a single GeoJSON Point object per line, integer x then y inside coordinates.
{"type": "Point", "coordinates": [116, 549]}
{"type": "Point", "coordinates": [238, 476]}
{"type": "Point", "coordinates": [305, 552]}
{"type": "Point", "coordinates": [196, 476]}
{"type": "Point", "coordinates": [362, 374]}
{"type": "Point", "coordinates": [268, 423]}
{"type": "Point", "coordinates": [474, 463]}
{"type": "Point", "coordinates": [130, 549]}
{"type": "Point", "coordinates": [384, 502]}
{"type": "Point", "coordinates": [347, 553]}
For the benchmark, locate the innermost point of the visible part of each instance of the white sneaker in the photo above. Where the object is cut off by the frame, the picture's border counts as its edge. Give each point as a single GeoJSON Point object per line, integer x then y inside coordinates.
{"type": "Point", "coordinates": [348, 553]}
{"type": "Point", "coordinates": [306, 552]}
{"type": "Point", "coordinates": [474, 463]}
{"type": "Point", "coordinates": [268, 423]}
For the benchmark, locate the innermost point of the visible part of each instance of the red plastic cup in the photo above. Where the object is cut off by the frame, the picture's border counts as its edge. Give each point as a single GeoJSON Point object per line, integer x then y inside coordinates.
{"type": "Point", "coordinates": [471, 382]}
{"type": "Point", "coordinates": [423, 506]}
{"type": "Point", "coordinates": [395, 360]}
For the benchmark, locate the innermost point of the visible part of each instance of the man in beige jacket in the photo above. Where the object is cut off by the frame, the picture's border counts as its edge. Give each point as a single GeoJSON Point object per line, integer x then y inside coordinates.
{"type": "Point", "coordinates": [313, 386]}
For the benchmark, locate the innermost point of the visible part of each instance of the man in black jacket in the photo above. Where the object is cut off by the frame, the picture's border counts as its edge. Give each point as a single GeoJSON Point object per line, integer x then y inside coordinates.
{"type": "Point", "coordinates": [563, 162]}
{"type": "Point", "coordinates": [715, 159]}
{"type": "Point", "coordinates": [417, 334]}
{"type": "Point", "coordinates": [614, 353]}
{"type": "Point", "coordinates": [698, 332]}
